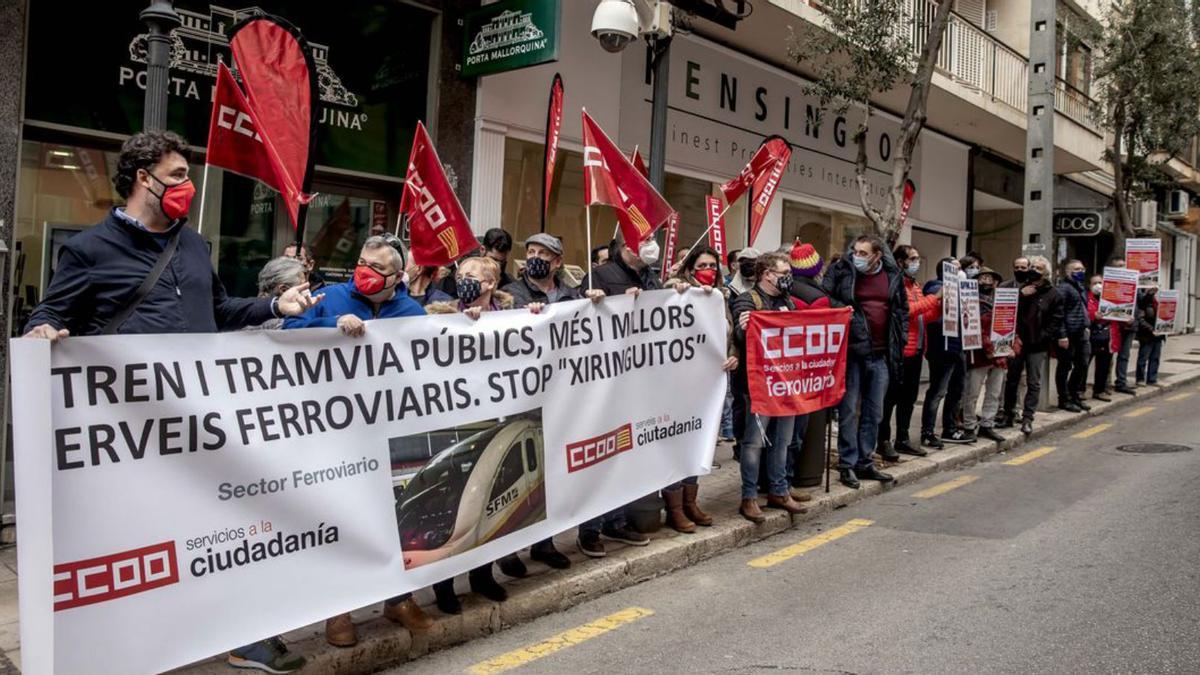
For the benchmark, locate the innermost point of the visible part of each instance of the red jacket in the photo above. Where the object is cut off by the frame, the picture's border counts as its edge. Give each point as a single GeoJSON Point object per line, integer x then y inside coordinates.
{"type": "Point", "coordinates": [922, 309]}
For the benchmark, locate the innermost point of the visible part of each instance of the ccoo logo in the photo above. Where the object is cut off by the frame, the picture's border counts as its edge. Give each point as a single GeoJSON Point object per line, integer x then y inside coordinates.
{"type": "Point", "coordinates": [87, 582]}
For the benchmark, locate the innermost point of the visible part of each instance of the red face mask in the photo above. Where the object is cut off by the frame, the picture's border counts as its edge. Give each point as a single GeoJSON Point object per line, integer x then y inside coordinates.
{"type": "Point", "coordinates": [175, 200]}
{"type": "Point", "coordinates": [706, 277]}
{"type": "Point", "coordinates": [368, 280]}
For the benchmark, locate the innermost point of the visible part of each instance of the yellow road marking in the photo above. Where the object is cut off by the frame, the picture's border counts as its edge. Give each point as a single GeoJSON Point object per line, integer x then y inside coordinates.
{"type": "Point", "coordinates": [943, 488]}
{"type": "Point", "coordinates": [570, 638]}
{"type": "Point", "coordinates": [800, 548]}
{"type": "Point", "coordinates": [1029, 456]}
{"type": "Point", "coordinates": [1140, 411]}
{"type": "Point", "coordinates": [1088, 433]}
{"type": "Point", "coordinates": [1180, 397]}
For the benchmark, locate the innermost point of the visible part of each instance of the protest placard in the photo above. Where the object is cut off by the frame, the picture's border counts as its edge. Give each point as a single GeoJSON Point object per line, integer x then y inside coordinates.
{"type": "Point", "coordinates": [1145, 256]}
{"type": "Point", "coordinates": [972, 327]}
{"type": "Point", "coordinates": [1118, 295]}
{"type": "Point", "coordinates": [796, 361]}
{"type": "Point", "coordinates": [950, 303]}
{"type": "Point", "coordinates": [1168, 307]}
{"type": "Point", "coordinates": [1004, 321]}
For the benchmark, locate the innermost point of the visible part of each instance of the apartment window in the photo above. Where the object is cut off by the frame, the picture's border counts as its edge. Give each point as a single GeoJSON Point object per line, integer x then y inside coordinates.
{"type": "Point", "coordinates": [1074, 61]}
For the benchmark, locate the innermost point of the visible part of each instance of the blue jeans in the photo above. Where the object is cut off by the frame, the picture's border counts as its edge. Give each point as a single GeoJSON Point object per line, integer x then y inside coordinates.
{"type": "Point", "coordinates": [727, 413]}
{"type": "Point", "coordinates": [1122, 376]}
{"type": "Point", "coordinates": [866, 386]}
{"type": "Point", "coordinates": [767, 436]}
{"type": "Point", "coordinates": [1149, 354]}
{"type": "Point", "coordinates": [614, 519]}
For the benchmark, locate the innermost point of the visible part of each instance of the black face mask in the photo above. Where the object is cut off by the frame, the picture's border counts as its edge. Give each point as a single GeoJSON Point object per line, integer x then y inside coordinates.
{"type": "Point", "coordinates": [1022, 276]}
{"type": "Point", "coordinates": [784, 283]}
{"type": "Point", "coordinates": [746, 269]}
{"type": "Point", "coordinates": [469, 290]}
{"type": "Point", "coordinates": [537, 268]}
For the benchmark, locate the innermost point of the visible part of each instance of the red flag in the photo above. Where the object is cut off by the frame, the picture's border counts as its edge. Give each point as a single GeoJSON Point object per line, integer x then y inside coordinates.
{"type": "Point", "coordinates": [796, 361]}
{"type": "Point", "coordinates": [910, 191]}
{"type": "Point", "coordinates": [672, 241]}
{"type": "Point", "coordinates": [438, 228]}
{"type": "Point", "coordinates": [639, 163]}
{"type": "Point", "coordinates": [234, 143]}
{"type": "Point", "coordinates": [764, 160]}
{"type": "Point", "coordinates": [716, 223]}
{"type": "Point", "coordinates": [276, 68]}
{"type": "Point", "coordinates": [554, 119]}
{"type": "Point", "coordinates": [609, 178]}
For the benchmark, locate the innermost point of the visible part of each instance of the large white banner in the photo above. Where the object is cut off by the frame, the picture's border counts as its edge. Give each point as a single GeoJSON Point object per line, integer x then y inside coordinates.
{"type": "Point", "coordinates": [180, 495]}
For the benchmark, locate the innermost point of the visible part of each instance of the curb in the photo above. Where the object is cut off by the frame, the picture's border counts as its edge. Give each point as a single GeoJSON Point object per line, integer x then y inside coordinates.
{"type": "Point", "coordinates": [383, 644]}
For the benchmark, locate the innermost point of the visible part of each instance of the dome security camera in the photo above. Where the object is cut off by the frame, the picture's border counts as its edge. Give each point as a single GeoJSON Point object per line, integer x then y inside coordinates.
{"type": "Point", "coordinates": [615, 24]}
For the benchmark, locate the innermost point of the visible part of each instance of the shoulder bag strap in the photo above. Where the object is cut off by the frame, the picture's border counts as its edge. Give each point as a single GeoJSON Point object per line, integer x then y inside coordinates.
{"type": "Point", "coordinates": [148, 283]}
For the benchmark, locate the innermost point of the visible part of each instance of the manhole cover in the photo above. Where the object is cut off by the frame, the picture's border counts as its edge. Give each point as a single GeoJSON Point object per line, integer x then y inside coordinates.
{"type": "Point", "coordinates": [1152, 448]}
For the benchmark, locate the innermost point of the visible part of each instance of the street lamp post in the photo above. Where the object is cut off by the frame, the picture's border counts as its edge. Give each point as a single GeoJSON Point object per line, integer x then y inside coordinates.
{"type": "Point", "coordinates": [160, 18]}
{"type": "Point", "coordinates": [658, 113]}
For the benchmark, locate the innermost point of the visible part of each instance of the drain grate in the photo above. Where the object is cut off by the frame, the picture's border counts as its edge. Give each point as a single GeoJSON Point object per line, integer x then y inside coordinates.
{"type": "Point", "coordinates": [1153, 448]}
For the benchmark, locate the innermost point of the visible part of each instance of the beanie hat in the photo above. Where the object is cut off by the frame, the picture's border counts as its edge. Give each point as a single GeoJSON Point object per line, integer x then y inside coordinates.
{"type": "Point", "coordinates": [805, 260]}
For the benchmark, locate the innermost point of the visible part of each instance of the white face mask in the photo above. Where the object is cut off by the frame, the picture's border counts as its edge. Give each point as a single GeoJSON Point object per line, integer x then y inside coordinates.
{"type": "Point", "coordinates": [649, 252]}
{"type": "Point", "coordinates": [1097, 288]}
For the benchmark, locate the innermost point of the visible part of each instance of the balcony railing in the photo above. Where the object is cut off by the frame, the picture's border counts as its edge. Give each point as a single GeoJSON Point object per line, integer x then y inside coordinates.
{"type": "Point", "coordinates": [975, 59]}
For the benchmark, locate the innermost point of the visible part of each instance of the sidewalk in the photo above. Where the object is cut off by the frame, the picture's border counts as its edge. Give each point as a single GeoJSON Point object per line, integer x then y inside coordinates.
{"type": "Point", "coordinates": [547, 591]}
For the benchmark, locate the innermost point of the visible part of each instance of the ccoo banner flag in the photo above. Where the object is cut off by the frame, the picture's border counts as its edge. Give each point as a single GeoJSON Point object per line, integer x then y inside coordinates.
{"type": "Point", "coordinates": [554, 120]}
{"type": "Point", "coordinates": [763, 173]}
{"type": "Point", "coordinates": [438, 229]}
{"type": "Point", "coordinates": [796, 361]}
{"type": "Point", "coordinates": [234, 142]}
{"type": "Point", "coordinates": [197, 475]}
{"type": "Point", "coordinates": [610, 178]}
{"type": "Point", "coordinates": [716, 225]}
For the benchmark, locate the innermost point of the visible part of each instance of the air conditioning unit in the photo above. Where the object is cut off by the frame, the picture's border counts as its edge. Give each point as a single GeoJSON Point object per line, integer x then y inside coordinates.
{"type": "Point", "coordinates": [1178, 202]}
{"type": "Point", "coordinates": [1145, 215]}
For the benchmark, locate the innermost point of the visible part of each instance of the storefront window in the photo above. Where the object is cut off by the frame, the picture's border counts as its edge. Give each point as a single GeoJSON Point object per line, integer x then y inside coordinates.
{"type": "Point", "coordinates": [830, 232]}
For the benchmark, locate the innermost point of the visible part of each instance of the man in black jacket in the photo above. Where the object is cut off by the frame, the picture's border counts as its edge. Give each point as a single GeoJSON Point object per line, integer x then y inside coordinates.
{"type": "Point", "coordinates": [100, 269]}
{"type": "Point", "coordinates": [1039, 325]}
{"type": "Point", "coordinates": [1070, 375]}
{"type": "Point", "coordinates": [867, 279]}
{"type": "Point", "coordinates": [540, 281]}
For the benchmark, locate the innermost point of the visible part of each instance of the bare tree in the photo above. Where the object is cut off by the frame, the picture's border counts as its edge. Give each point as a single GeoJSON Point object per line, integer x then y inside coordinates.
{"type": "Point", "coordinates": [867, 48]}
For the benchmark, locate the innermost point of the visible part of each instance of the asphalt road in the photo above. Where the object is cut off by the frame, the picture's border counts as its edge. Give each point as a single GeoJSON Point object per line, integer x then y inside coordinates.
{"type": "Point", "coordinates": [1085, 559]}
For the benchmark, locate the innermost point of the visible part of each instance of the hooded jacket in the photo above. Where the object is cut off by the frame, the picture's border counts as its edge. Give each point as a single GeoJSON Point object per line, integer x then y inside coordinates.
{"type": "Point", "coordinates": [839, 284]}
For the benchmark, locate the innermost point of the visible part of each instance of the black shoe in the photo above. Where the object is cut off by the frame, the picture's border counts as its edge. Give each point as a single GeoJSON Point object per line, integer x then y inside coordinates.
{"type": "Point", "coordinates": [590, 545]}
{"type": "Point", "coordinates": [886, 452]}
{"type": "Point", "coordinates": [1027, 427]}
{"type": "Point", "coordinates": [959, 436]}
{"type": "Point", "coordinates": [625, 535]}
{"type": "Point", "coordinates": [871, 473]}
{"type": "Point", "coordinates": [906, 448]}
{"type": "Point", "coordinates": [549, 556]}
{"type": "Point", "coordinates": [483, 583]}
{"type": "Point", "coordinates": [991, 435]}
{"type": "Point", "coordinates": [447, 600]}
{"type": "Point", "coordinates": [931, 441]}
{"type": "Point", "coordinates": [512, 566]}
{"type": "Point", "coordinates": [1125, 390]}
{"type": "Point", "coordinates": [846, 477]}
{"type": "Point", "coordinates": [1080, 404]}
{"type": "Point", "coordinates": [1070, 406]}
{"type": "Point", "coordinates": [1004, 421]}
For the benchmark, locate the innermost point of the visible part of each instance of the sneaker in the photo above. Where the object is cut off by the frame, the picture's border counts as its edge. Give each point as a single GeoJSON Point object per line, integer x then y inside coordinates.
{"type": "Point", "coordinates": [625, 535]}
{"type": "Point", "coordinates": [590, 545]}
{"type": "Point", "coordinates": [931, 441]}
{"type": "Point", "coordinates": [960, 436]}
{"type": "Point", "coordinates": [906, 448]}
{"type": "Point", "coordinates": [270, 655]}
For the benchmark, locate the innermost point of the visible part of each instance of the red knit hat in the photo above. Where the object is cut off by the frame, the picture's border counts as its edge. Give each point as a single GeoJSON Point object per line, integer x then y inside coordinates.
{"type": "Point", "coordinates": [806, 262]}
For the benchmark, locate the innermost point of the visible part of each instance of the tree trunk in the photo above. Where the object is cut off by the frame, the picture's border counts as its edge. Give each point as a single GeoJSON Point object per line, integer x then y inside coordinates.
{"type": "Point", "coordinates": [1122, 225]}
{"type": "Point", "coordinates": [860, 175]}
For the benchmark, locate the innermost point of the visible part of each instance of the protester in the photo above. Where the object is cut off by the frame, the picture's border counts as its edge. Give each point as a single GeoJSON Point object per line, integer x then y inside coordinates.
{"type": "Point", "coordinates": [1070, 376]}
{"type": "Point", "coordinates": [902, 398]}
{"type": "Point", "coordinates": [599, 255]}
{"type": "Point", "coordinates": [422, 283]}
{"type": "Point", "coordinates": [626, 272]}
{"type": "Point", "coordinates": [495, 244]}
{"type": "Point", "coordinates": [141, 270]}
{"type": "Point", "coordinates": [1103, 336]}
{"type": "Point", "coordinates": [1039, 325]}
{"type": "Point", "coordinates": [868, 280]}
{"type": "Point", "coordinates": [806, 293]}
{"type": "Point", "coordinates": [766, 439]}
{"type": "Point", "coordinates": [739, 407]}
{"type": "Point", "coordinates": [275, 278]}
{"type": "Point", "coordinates": [700, 269]}
{"type": "Point", "coordinates": [375, 292]}
{"type": "Point", "coordinates": [1123, 339]}
{"type": "Point", "coordinates": [947, 368]}
{"type": "Point", "coordinates": [1150, 343]}
{"type": "Point", "coordinates": [315, 279]}
{"type": "Point", "coordinates": [985, 370]}
{"type": "Point", "coordinates": [731, 265]}
{"type": "Point", "coordinates": [743, 277]}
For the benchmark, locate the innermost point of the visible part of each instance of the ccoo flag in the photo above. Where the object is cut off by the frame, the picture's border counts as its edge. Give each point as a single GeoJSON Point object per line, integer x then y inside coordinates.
{"type": "Point", "coordinates": [609, 178]}
{"type": "Point", "coordinates": [438, 228]}
{"type": "Point", "coordinates": [234, 142]}
{"type": "Point", "coordinates": [554, 120]}
{"type": "Point", "coordinates": [763, 173]}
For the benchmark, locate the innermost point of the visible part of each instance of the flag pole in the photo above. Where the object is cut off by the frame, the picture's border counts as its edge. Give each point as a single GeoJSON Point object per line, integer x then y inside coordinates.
{"type": "Point", "coordinates": [588, 210]}
{"type": "Point", "coordinates": [708, 229]}
{"type": "Point", "coordinates": [203, 196]}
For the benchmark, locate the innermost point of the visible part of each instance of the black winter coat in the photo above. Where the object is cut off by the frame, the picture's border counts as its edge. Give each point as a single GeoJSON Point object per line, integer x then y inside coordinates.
{"type": "Point", "coordinates": [1074, 299]}
{"type": "Point", "coordinates": [524, 292]}
{"type": "Point", "coordinates": [616, 277]}
{"type": "Point", "coordinates": [839, 284]}
{"type": "Point", "coordinates": [101, 268]}
{"type": "Point", "coordinates": [753, 300]}
{"type": "Point", "coordinates": [1040, 318]}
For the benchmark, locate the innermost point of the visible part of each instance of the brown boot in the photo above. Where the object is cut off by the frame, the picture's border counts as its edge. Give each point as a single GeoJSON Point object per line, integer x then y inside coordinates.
{"type": "Point", "coordinates": [750, 511]}
{"type": "Point", "coordinates": [691, 509]}
{"type": "Point", "coordinates": [786, 503]}
{"type": "Point", "coordinates": [675, 517]}
{"type": "Point", "coordinates": [340, 632]}
{"type": "Point", "coordinates": [408, 614]}
{"type": "Point", "coordinates": [801, 496]}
